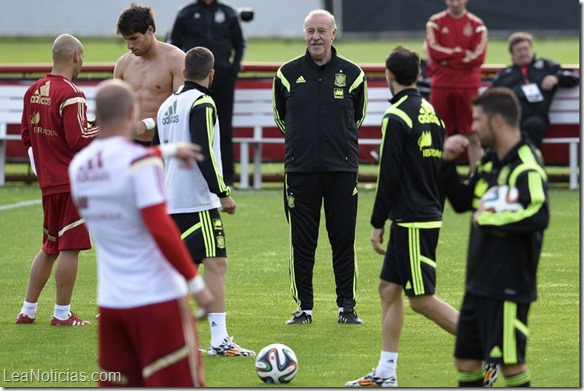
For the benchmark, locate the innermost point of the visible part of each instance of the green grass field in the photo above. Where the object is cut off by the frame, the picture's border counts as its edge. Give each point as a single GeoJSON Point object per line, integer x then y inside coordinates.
{"type": "Point", "coordinates": [259, 302]}
{"type": "Point", "coordinates": [565, 50]}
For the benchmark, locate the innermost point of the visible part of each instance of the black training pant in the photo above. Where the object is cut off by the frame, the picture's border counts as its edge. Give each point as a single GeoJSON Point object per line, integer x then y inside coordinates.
{"type": "Point", "coordinates": [222, 92]}
{"type": "Point", "coordinates": [303, 198]}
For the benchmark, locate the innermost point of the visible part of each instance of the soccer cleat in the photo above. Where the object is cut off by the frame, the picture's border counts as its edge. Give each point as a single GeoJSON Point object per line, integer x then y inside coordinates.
{"type": "Point", "coordinates": [370, 380]}
{"type": "Point", "coordinates": [491, 373]}
{"type": "Point", "coordinates": [72, 320]}
{"type": "Point", "coordinates": [350, 317]}
{"type": "Point", "coordinates": [23, 318]}
{"type": "Point", "coordinates": [229, 348]}
{"type": "Point", "coordinates": [300, 317]}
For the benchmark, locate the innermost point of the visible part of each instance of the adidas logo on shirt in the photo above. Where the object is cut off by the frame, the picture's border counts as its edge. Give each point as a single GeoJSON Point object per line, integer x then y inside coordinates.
{"type": "Point", "coordinates": [170, 115]}
{"type": "Point", "coordinates": [41, 96]}
{"type": "Point", "coordinates": [300, 80]}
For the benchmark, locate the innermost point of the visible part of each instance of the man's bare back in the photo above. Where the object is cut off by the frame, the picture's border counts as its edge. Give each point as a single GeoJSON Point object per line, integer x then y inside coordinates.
{"type": "Point", "coordinates": [154, 75]}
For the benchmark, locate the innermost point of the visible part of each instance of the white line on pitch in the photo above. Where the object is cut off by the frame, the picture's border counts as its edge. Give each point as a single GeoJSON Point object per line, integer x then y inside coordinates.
{"type": "Point", "coordinates": [19, 204]}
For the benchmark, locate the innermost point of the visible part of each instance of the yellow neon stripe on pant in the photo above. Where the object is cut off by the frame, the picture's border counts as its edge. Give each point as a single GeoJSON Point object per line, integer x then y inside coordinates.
{"type": "Point", "coordinates": [208, 236]}
{"type": "Point", "coordinates": [415, 263]}
{"type": "Point", "coordinates": [509, 339]}
{"type": "Point", "coordinates": [293, 287]}
{"type": "Point", "coordinates": [189, 231]}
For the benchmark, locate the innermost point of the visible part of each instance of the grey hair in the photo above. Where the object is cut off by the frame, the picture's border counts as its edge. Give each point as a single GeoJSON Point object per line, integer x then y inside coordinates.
{"type": "Point", "coordinates": [323, 13]}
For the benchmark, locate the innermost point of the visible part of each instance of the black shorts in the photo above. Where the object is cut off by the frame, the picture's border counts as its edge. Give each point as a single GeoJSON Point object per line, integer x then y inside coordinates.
{"type": "Point", "coordinates": [410, 259]}
{"type": "Point", "coordinates": [492, 330]}
{"type": "Point", "coordinates": [203, 234]}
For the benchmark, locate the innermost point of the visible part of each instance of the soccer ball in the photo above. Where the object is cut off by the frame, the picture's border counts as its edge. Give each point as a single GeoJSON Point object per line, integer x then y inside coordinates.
{"type": "Point", "coordinates": [276, 363]}
{"type": "Point", "coordinates": [501, 199]}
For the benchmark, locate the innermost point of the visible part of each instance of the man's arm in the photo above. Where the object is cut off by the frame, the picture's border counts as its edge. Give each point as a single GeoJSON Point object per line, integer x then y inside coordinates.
{"type": "Point", "coordinates": [278, 102]}
{"type": "Point", "coordinates": [500, 78]}
{"type": "Point", "coordinates": [391, 153]}
{"type": "Point", "coordinates": [203, 133]}
{"type": "Point", "coordinates": [436, 51]}
{"type": "Point", "coordinates": [24, 130]}
{"type": "Point", "coordinates": [167, 237]}
{"type": "Point", "coordinates": [119, 67]}
{"type": "Point", "coordinates": [238, 42]}
{"type": "Point", "coordinates": [187, 153]}
{"type": "Point", "coordinates": [77, 132]}
{"type": "Point", "coordinates": [567, 77]}
{"type": "Point", "coordinates": [177, 33]}
{"type": "Point", "coordinates": [177, 59]}
{"type": "Point", "coordinates": [146, 179]}
{"type": "Point", "coordinates": [361, 99]}
{"type": "Point", "coordinates": [392, 129]}
{"type": "Point", "coordinates": [459, 194]}
{"type": "Point", "coordinates": [475, 55]}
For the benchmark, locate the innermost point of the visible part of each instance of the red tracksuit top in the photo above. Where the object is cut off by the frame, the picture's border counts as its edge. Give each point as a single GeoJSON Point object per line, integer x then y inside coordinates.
{"type": "Point", "coordinates": [443, 34]}
{"type": "Point", "coordinates": [54, 123]}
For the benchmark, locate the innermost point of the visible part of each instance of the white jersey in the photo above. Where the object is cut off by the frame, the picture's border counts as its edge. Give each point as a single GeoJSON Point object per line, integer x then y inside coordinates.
{"type": "Point", "coordinates": [112, 179]}
{"type": "Point", "coordinates": [186, 188]}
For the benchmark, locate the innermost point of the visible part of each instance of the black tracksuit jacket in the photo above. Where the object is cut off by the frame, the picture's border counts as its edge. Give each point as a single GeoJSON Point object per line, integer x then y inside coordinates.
{"type": "Point", "coordinates": [319, 110]}
{"type": "Point", "coordinates": [512, 77]}
{"type": "Point", "coordinates": [504, 248]}
{"type": "Point", "coordinates": [215, 27]}
{"type": "Point", "coordinates": [408, 188]}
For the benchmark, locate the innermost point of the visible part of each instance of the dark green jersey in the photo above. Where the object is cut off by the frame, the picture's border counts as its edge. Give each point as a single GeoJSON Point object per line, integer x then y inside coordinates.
{"type": "Point", "coordinates": [409, 184]}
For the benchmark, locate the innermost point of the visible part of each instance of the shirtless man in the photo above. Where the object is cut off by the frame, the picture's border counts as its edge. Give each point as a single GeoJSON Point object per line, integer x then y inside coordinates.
{"type": "Point", "coordinates": [152, 68]}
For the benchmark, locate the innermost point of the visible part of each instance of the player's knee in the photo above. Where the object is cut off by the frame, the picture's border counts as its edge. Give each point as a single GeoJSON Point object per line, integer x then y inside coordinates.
{"type": "Point", "coordinates": [421, 304]}
{"type": "Point", "coordinates": [389, 291]}
{"type": "Point", "coordinates": [465, 365]}
{"type": "Point", "coordinates": [216, 266]}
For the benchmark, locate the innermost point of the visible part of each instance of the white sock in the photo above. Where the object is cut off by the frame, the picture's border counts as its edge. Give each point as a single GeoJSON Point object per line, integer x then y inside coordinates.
{"type": "Point", "coordinates": [387, 364]}
{"type": "Point", "coordinates": [218, 328]}
{"type": "Point", "coordinates": [29, 309]}
{"type": "Point", "coordinates": [308, 312]}
{"type": "Point", "coordinates": [62, 312]}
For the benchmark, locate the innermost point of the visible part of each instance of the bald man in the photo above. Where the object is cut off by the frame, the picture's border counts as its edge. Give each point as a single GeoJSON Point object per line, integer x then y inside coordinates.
{"type": "Point", "coordinates": [54, 124]}
{"type": "Point", "coordinates": [145, 271]}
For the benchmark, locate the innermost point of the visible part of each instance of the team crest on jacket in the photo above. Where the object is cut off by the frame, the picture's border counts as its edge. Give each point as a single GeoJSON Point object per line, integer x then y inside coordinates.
{"type": "Point", "coordinates": [467, 30]}
{"type": "Point", "coordinates": [341, 80]}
